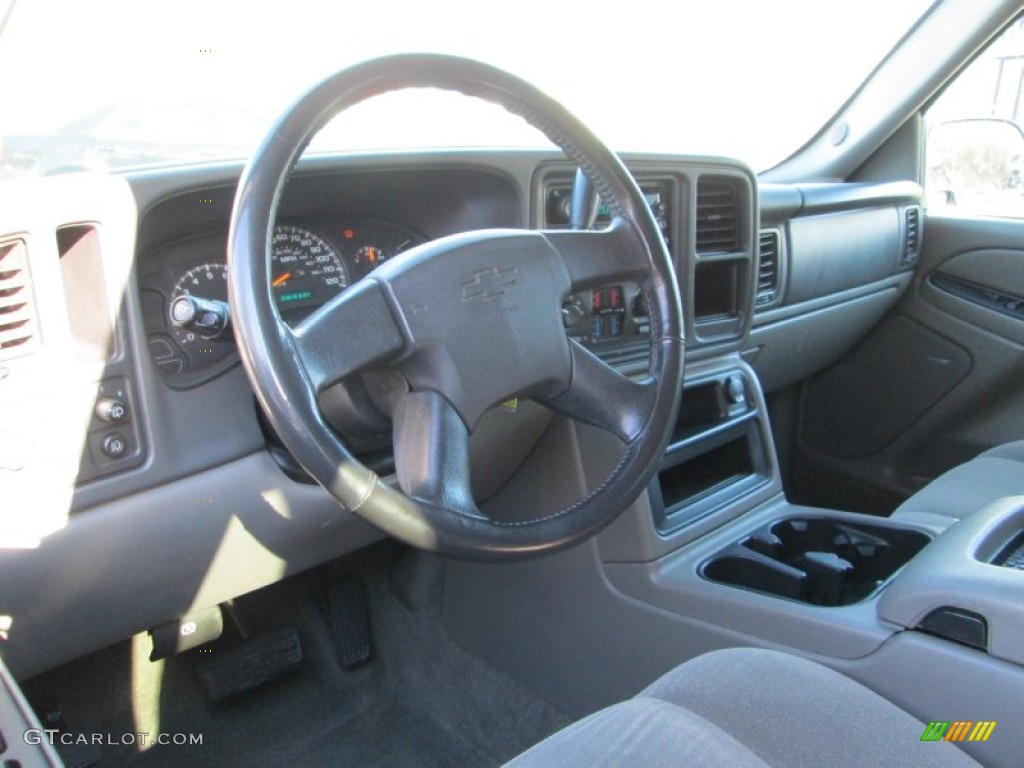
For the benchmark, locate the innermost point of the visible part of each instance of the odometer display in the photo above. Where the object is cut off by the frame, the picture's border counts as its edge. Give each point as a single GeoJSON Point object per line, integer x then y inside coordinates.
{"type": "Point", "coordinates": [305, 271]}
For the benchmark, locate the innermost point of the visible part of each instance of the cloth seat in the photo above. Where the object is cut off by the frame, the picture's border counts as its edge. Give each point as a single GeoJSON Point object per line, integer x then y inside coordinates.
{"type": "Point", "coordinates": [992, 475]}
{"type": "Point", "coordinates": [743, 708]}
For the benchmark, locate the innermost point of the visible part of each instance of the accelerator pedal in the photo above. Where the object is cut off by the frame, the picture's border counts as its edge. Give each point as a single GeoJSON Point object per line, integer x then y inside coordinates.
{"type": "Point", "coordinates": [251, 664]}
{"type": "Point", "coordinates": [349, 609]}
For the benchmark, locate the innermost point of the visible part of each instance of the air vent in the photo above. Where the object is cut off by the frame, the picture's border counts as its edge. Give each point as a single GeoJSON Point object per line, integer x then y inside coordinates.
{"type": "Point", "coordinates": [717, 216]}
{"type": "Point", "coordinates": [768, 268]}
{"type": "Point", "coordinates": [912, 234]}
{"type": "Point", "coordinates": [18, 329]}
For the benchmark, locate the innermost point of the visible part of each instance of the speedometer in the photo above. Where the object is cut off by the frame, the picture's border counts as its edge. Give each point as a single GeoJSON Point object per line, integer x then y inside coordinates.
{"type": "Point", "coordinates": [305, 270]}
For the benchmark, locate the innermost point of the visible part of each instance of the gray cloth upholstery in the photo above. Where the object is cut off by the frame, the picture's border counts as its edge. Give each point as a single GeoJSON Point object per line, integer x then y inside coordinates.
{"type": "Point", "coordinates": [995, 474]}
{"type": "Point", "coordinates": [636, 733]}
{"type": "Point", "coordinates": [751, 707]}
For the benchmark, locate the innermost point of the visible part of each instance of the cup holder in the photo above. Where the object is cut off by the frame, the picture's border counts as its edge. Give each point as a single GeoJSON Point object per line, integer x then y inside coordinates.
{"type": "Point", "coordinates": [816, 560]}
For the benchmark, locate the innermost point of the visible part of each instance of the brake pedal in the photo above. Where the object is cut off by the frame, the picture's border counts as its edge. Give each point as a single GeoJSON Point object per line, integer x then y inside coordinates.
{"type": "Point", "coordinates": [349, 609]}
{"type": "Point", "coordinates": [251, 664]}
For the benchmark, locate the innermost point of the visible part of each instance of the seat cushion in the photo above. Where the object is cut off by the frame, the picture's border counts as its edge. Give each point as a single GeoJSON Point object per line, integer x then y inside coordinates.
{"type": "Point", "coordinates": [639, 732]}
{"type": "Point", "coordinates": [963, 490]}
{"type": "Point", "coordinates": [748, 707]}
{"type": "Point", "coordinates": [793, 712]}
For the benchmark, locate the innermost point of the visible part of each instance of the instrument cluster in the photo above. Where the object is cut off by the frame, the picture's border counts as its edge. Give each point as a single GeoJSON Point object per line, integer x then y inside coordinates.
{"type": "Point", "coordinates": [312, 260]}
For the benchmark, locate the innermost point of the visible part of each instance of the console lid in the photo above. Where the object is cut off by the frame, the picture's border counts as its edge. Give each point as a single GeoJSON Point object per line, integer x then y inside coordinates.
{"type": "Point", "coordinates": [959, 571]}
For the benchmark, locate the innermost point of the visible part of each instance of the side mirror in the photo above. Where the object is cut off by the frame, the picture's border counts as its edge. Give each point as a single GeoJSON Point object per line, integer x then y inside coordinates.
{"type": "Point", "coordinates": [974, 161]}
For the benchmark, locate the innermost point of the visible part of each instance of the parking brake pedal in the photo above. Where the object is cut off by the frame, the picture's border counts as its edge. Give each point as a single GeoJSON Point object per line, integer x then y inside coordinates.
{"type": "Point", "coordinates": [349, 610]}
{"type": "Point", "coordinates": [253, 663]}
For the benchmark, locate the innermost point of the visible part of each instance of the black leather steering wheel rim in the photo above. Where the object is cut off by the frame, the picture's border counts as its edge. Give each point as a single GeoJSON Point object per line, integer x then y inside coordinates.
{"type": "Point", "coordinates": [496, 279]}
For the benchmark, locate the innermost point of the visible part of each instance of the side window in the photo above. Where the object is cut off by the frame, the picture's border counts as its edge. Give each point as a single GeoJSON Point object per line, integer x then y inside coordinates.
{"type": "Point", "coordinates": [975, 142]}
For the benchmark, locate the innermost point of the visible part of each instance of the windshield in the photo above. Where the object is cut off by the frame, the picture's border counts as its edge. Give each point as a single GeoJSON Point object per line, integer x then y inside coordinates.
{"type": "Point", "coordinates": [106, 84]}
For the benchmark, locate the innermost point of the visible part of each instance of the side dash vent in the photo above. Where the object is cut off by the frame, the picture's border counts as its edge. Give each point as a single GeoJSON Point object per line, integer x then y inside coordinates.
{"type": "Point", "coordinates": [18, 327]}
{"type": "Point", "coordinates": [768, 268]}
{"type": "Point", "coordinates": [717, 216]}
{"type": "Point", "coordinates": [912, 236]}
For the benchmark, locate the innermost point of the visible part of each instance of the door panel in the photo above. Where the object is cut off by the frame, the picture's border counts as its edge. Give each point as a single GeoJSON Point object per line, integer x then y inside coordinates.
{"type": "Point", "coordinates": [937, 382]}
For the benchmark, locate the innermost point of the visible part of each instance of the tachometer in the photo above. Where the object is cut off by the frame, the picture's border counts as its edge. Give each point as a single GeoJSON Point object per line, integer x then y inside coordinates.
{"type": "Point", "coordinates": [305, 270]}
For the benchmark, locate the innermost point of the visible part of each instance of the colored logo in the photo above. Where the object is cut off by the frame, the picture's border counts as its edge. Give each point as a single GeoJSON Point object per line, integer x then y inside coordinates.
{"type": "Point", "coordinates": [958, 730]}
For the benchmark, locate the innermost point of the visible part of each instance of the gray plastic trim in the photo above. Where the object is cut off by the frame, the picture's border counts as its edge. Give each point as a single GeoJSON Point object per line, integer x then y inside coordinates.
{"type": "Point", "coordinates": [821, 335]}
{"type": "Point", "coordinates": [955, 571]}
{"type": "Point", "coordinates": [835, 251]}
{"type": "Point", "coordinates": [999, 269]}
{"type": "Point", "coordinates": [632, 537]}
{"type": "Point", "coordinates": [846, 196]}
{"type": "Point", "coordinates": [675, 584]}
{"type": "Point", "coordinates": [152, 558]}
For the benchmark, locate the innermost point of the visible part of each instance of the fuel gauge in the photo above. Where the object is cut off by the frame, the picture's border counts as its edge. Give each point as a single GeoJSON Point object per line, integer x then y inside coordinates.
{"type": "Point", "coordinates": [369, 257]}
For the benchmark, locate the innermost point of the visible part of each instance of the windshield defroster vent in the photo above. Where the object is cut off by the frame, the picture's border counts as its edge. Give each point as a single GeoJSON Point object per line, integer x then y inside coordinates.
{"type": "Point", "coordinates": [768, 267]}
{"type": "Point", "coordinates": [18, 328]}
{"type": "Point", "coordinates": [717, 216]}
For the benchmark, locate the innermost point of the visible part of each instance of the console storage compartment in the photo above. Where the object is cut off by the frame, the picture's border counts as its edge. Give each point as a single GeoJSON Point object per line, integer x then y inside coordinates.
{"type": "Point", "coordinates": [717, 452]}
{"type": "Point", "coordinates": [816, 560]}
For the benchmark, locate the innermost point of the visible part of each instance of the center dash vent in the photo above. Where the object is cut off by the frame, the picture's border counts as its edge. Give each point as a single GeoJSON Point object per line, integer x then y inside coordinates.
{"type": "Point", "coordinates": [18, 328]}
{"type": "Point", "coordinates": [768, 267]}
{"type": "Point", "coordinates": [717, 216]}
{"type": "Point", "coordinates": [912, 236]}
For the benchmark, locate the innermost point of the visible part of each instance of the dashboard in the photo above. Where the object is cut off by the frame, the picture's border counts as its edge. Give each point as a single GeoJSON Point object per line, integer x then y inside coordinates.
{"type": "Point", "coordinates": [140, 448]}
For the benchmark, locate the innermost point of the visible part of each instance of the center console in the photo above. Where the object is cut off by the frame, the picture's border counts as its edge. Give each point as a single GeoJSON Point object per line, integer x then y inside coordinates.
{"type": "Point", "coordinates": [967, 586]}
{"type": "Point", "coordinates": [717, 451]}
{"type": "Point", "coordinates": [715, 539]}
{"type": "Point", "coordinates": [816, 559]}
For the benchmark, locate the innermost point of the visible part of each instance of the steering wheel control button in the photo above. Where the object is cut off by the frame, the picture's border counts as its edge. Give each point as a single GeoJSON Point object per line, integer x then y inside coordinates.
{"type": "Point", "coordinates": [111, 410]}
{"type": "Point", "coordinates": [114, 445]}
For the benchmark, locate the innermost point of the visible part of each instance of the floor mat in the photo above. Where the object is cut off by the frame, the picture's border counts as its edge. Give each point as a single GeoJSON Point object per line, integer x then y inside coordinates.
{"type": "Point", "coordinates": [422, 701]}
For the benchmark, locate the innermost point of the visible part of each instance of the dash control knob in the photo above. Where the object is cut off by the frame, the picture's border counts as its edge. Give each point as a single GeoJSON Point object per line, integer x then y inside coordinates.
{"type": "Point", "coordinates": [640, 306]}
{"type": "Point", "coordinates": [572, 312]}
{"type": "Point", "coordinates": [111, 410]}
{"type": "Point", "coordinates": [114, 446]}
{"type": "Point", "coordinates": [735, 389]}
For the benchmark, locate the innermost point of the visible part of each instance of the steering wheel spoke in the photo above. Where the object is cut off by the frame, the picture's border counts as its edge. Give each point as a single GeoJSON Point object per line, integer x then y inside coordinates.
{"type": "Point", "coordinates": [353, 331]}
{"type": "Point", "coordinates": [432, 453]}
{"type": "Point", "coordinates": [602, 397]}
{"type": "Point", "coordinates": [599, 257]}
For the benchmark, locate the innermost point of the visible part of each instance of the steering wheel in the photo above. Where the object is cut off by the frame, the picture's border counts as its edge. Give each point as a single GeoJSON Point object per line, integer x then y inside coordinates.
{"type": "Point", "coordinates": [469, 320]}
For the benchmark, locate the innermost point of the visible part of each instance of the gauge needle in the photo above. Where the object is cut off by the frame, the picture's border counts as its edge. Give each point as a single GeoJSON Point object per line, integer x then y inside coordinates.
{"type": "Point", "coordinates": [282, 279]}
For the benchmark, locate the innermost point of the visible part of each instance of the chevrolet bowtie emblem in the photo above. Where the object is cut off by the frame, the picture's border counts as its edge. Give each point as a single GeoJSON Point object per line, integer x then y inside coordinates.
{"type": "Point", "coordinates": [490, 283]}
